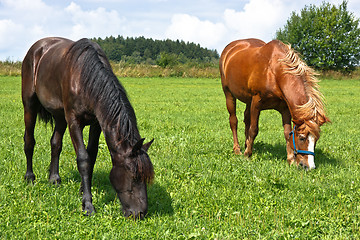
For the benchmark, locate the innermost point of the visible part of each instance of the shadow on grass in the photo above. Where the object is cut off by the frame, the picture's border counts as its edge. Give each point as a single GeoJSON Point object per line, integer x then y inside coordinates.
{"type": "Point", "coordinates": [279, 151]}
{"type": "Point", "coordinates": [159, 200]}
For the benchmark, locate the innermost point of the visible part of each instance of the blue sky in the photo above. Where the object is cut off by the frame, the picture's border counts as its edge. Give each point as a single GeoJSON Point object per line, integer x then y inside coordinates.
{"type": "Point", "coordinates": [211, 23]}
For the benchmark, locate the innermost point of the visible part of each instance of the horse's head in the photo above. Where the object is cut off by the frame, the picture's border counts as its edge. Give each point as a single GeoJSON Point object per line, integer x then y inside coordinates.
{"type": "Point", "coordinates": [132, 170]}
{"type": "Point", "coordinates": [302, 142]}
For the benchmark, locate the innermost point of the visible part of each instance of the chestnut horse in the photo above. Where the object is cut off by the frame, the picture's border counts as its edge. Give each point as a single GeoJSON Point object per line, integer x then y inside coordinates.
{"type": "Point", "coordinates": [72, 84]}
{"type": "Point", "coordinates": [272, 76]}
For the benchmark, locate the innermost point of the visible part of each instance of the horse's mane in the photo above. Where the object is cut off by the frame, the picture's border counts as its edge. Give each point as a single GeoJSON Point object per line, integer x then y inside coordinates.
{"type": "Point", "coordinates": [102, 88]}
{"type": "Point", "coordinates": [313, 113]}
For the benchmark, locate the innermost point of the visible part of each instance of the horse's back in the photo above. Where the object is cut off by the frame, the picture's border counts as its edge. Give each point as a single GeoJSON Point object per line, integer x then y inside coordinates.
{"type": "Point", "coordinates": [238, 47]}
{"type": "Point", "coordinates": [34, 57]}
{"type": "Point", "coordinates": [41, 73]}
{"type": "Point", "coordinates": [37, 51]}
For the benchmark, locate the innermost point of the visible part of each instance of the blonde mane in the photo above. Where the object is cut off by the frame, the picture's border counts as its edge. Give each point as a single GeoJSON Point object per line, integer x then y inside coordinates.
{"type": "Point", "coordinates": [313, 113]}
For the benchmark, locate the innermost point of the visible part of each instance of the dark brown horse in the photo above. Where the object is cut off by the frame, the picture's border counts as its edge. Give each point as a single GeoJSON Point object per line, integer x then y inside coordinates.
{"type": "Point", "coordinates": [72, 84]}
{"type": "Point", "coordinates": [272, 76]}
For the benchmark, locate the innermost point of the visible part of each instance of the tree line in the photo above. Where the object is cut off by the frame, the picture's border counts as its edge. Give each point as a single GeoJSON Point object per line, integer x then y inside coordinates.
{"type": "Point", "coordinates": [161, 52]}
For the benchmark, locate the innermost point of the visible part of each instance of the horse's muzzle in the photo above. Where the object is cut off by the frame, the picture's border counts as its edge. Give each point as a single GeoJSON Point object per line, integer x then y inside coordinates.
{"type": "Point", "coordinates": [307, 168]}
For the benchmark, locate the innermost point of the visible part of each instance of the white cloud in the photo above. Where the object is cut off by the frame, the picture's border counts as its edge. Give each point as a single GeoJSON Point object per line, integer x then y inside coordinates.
{"type": "Point", "coordinates": [93, 23]}
{"type": "Point", "coordinates": [31, 20]}
{"type": "Point", "coordinates": [10, 29]}
{"type": "Point", "coordinates": [27, 12]}
{"type": "Point", "coordinates": [26, 5]}
{"type": "Point", "coordinates": [22, 22]}
{"type": "Point", "coordinates": [192, 29]}
{"type": "Point", "coordinates": [9, 38]}
{"type": "Point", "coordinates": [257, 19]}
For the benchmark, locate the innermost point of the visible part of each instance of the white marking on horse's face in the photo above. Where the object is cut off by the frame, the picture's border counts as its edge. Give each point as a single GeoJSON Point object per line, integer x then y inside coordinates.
{"type": "Point", "coordinates": [311, 148]}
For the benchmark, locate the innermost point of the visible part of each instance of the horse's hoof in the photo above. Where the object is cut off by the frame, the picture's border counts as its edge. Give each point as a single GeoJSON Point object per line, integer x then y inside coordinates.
{"type": "Point", "coordinates": [55, 179]}
{"type": "Point", "coordinates": [237, 151]}
{"type": "Point", "coordinates": [89, 210]}
{"type": "Point", "coordinates": [29, 177]}
{"type": "Point", "coordinates": [247, 154]}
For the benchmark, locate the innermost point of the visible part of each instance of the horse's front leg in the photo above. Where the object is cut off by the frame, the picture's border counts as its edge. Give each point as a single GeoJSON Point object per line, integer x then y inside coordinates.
{"type": "Point", "coordinates": [253, 127]}
{"type": "Point", "coordinates": [93, 145]}
{"type": "Point", "coordinates": [286, 119]}
{"type": "Point", "coordinates": [83, 162]}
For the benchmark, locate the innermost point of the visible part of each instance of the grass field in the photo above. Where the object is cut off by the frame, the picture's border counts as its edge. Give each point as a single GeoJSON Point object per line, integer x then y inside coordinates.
{"type": "Point", "coordinates": [201, 191]}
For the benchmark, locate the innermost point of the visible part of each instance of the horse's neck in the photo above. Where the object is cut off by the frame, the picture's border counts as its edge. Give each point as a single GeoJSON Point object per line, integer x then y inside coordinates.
{"type": "Point", "coordinates": [114, 135]}
{"type": "Point", "coordinates": [295, 95]}
{"type": "Point", "coordinates": [114, 139]}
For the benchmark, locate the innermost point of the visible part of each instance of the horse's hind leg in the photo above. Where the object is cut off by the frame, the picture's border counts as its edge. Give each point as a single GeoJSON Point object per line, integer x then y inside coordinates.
{"type": "Point", "coordinates": [247, 122]}
{"type": "Point", "coordinates": [29, 140]}
{"type": "Point", "coordinates": [231, 107]}
{"type": "Point", "coordinates": [56, 147]}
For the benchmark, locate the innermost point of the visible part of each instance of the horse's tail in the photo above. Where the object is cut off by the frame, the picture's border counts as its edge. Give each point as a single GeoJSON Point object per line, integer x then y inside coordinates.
{"type": "Point", "coordinates": [45, 116]}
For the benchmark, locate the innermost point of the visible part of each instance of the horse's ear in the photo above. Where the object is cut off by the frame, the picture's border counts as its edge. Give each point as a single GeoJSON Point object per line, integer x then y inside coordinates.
{"type": "Point", "coordinates": [147, 145]}
{"type": "Point", "coordinates": [137, 146]}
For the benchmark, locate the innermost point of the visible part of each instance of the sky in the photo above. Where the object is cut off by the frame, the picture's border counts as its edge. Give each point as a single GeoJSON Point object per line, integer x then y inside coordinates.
{"type": "Point", "coordinates": [211, 23]}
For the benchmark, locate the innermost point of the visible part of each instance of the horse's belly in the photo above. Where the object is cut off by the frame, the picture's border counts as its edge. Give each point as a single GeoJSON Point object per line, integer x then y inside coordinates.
{"type": "Point", "coordinates": [244, 97]}
{"type": "Point", "coordinates": [241, 92]}
{"type": "Point", "coordinates": [50, 98]}
{"type": "Point", "coordinates": [273, 103]}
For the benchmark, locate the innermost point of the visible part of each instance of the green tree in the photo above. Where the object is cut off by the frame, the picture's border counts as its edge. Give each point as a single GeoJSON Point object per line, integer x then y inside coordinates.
{"type": "Point", "coordinates": [328, 37]}
{"type": "Point", "coordinates": [147, 53]}
{"type": "Point", "coordinates": [167, 59]}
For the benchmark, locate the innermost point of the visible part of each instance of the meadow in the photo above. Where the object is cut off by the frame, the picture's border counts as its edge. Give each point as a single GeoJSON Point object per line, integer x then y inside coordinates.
{"type": "Point", "coordinates": [202, 190]}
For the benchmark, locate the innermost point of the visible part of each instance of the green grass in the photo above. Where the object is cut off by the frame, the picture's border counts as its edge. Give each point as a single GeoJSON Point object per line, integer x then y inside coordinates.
{"type": "Point", "coordinates": [201, 191]}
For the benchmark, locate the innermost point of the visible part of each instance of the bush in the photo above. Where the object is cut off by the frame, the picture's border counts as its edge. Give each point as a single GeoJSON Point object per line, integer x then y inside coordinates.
{"type": "Point", "coordinates": [167, 59]}
{"type": "Point", "coordinates": [10, 68]}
